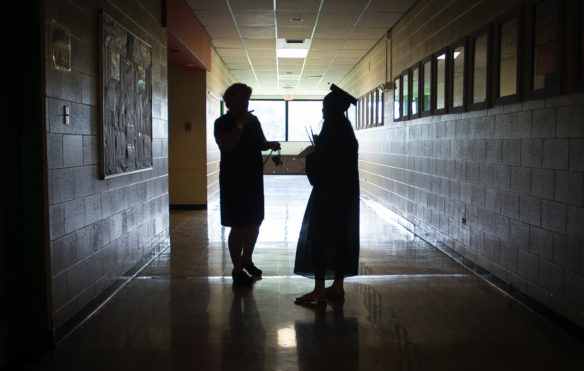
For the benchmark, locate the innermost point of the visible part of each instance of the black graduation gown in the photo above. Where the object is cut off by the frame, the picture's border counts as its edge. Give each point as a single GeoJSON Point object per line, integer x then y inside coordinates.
{"type": "Point", "coordinates": [241, 183]}
{"type": "Point", "coordinates": [329, 238]}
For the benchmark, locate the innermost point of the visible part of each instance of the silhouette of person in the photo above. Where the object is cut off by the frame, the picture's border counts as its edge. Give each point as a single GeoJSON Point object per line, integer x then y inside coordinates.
{"type": "Point", "coordinates": [328, 245]}
{"type": "Point", "coordinates": [241, 188]}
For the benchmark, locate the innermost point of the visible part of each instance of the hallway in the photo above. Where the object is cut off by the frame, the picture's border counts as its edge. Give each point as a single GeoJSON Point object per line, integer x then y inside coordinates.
{"type": "Point", "coordinates": [411, 308]}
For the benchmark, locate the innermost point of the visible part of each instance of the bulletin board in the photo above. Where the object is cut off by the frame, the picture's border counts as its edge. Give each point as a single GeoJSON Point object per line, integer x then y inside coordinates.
{"type": "Point", "coordinates": [125, 98]}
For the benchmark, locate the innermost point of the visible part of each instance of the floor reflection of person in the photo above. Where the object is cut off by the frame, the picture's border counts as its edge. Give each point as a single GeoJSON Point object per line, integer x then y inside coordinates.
{"type": "Point", "coordinates": [331, 342]}
{"type": "Point", "coordinates": [243, 346]}
{"type": "Point", "coordinates": [241, 141]}
{"type": "Point", "coordinates": [328, 246]}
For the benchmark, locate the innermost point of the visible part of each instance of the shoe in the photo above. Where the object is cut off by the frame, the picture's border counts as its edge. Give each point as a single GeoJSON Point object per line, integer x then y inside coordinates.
{"type": "Point", "coordinates": [241, 278]}
{"type": "Point", "coordinates": [309, 299]}
{"type": "Point", "coordinates": [252, 269]}
{"type": "Point", "coordinates": [333, 294]}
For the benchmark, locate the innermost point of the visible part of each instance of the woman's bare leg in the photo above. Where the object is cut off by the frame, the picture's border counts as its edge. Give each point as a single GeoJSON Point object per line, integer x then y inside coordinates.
{"type": "Point", "coordinates": [250, 239]}
{"type": "Point", "coordinates": [235, 241]}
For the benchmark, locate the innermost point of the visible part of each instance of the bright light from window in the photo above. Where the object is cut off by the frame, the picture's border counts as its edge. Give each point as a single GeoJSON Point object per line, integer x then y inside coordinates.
{"type": "Point", "coordinates": [292, 53]}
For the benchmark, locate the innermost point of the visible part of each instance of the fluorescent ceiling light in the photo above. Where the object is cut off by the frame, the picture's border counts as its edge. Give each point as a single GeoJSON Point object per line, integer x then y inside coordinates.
{"type": "Point", "coordinates": [292, 53]}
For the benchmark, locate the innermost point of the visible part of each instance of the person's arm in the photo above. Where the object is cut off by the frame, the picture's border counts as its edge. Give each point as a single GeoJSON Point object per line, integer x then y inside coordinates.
{"type": "Point", "coordinates": [274, 146]}
{"type": "Point", "coordinates": [228, 140]}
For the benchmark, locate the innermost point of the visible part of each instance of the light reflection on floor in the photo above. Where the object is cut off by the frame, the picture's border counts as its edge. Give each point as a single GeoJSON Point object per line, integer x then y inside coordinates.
{"type": "Point", "coordinates": [411, 308]}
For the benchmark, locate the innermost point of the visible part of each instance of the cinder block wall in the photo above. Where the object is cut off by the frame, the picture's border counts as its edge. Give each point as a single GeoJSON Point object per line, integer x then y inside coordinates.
{"type": "Point", "coordinates": [218, 80]}
{"type": "Point", "coordinates": [99, 228]}
{"type": "Point", "coordinates": [515, 172]}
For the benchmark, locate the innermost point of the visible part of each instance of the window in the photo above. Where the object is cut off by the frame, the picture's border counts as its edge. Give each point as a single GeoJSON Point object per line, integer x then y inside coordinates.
{"type": "Point", "coordinates": [303, 116]}
{"type": "Point", "coordinates": [415, 88]}
{"type": "Point", "coordinates": [507, 77]}
{"type": "Point", "coordinates": [370, 109]}
{"type": "Point", "coordinates": [457, 81]}
{"type": "Point", "coordinates": [288, 120]}
{"type": "Point", "coordinates": [544, 49]}
{"type": "Point", "coordinates": [426, 85]}
{"type": "Point", "coordinates": [480, 69]}
{"type": "Point", "coordinates": [272, 115]}
{"type": "Point", "coordinates": [405, 98]}
{"type": "Point", "coordinates": [441, 61]}
{"type": "Point", "coordinates": [379, 109]}
{"type": "Point", "coordinates": [397, 99]}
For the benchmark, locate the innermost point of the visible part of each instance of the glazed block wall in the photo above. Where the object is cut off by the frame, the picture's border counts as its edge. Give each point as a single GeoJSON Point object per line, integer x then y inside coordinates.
{"type": "Point", "coordinates": [503, 187]}
{"type": "Point", "coordinates": [99, 228]}
{"type": "Point", "coordinates": [187, 151]}
{"type": "Point", "coordinates": [218, 80]}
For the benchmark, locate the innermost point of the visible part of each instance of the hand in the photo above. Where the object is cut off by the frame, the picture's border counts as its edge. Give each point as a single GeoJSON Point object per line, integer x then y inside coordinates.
{"type": "Point", "coordinates": [275, 146]}
{"type": "Point", "coordinates": [246, 118]}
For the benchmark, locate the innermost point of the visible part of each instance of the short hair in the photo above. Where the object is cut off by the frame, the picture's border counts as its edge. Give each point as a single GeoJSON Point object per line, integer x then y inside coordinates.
{"type": "Point", "coordinates": [235, 91]}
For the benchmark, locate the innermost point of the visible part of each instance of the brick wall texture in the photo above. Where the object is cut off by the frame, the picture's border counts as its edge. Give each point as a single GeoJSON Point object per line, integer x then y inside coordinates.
{"type": "Point", "coordinates": [514, 173]}
{"type": "Point", "coordinates": [99, 228]}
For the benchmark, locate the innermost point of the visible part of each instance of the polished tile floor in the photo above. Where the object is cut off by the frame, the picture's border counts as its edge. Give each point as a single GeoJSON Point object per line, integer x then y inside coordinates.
{"type": "Point", "coordinates": [411, 308]}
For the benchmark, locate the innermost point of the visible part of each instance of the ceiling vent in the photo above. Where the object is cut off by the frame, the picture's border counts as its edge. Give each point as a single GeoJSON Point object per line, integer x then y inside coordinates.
{"type": "Point", "coordinates": [294, 41]}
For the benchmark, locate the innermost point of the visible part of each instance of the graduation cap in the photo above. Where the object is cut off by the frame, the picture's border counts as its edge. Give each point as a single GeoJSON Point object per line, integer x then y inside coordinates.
{"type": "Point", "coordinates": [339, 98]}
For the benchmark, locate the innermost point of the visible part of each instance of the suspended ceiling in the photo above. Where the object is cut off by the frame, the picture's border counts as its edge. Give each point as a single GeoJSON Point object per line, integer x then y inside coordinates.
{"type": "Point", "coordinates": [336, 33]}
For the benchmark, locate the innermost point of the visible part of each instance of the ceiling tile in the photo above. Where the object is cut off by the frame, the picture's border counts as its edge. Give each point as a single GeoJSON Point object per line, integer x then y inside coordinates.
{"type": "Point", "coordinates": [296, 33]}
{"type": "Point", "coordinates": [373, 18]}
{"type": "Point", "coordinates": [260, 43]}
{"type": "Point", "coordinates": [267, 32]}
{"type": "Point", "coordinates": [231, 52]}
{"type": "Point", "coordinates": [336, 18]}
{"type": "Point", "coordinates": [306, 5]}
{"type": "Point", "coordinates": [368, 33]}
{"type": "Point", "coordinates": [222, 32]}
{"type": "Point", "coordinates": [226, 43]}
{"type": "Point", "coordinates": [331, 32]}
{"type": "Point", "coordinates": [250, 4]}
{"type": "Point", "coordinates": [206, 4]}
{"type": "Point", "coordinates": [308, 18]}
{"type": "Point", "coordinates": [363, 45]}
{"type": "Point", "coordinates": [344, 6]}
{"type": "Point", "coordinates": [214, 17]}
{"type": "Point", "coordinates": [255, 18]}
{"type": "Point", "coordinates": [391, 6]}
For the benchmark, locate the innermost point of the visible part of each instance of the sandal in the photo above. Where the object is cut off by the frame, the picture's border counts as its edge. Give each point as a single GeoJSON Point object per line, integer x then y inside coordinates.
{"type": "Point", "coordinates": [252, 269]}
{"type": "Point", "coordinates": [309, 298]}
{"type": "Point", "coordinates": [241, 278]}
{"type": "Point", "coordinates": [334, 294]}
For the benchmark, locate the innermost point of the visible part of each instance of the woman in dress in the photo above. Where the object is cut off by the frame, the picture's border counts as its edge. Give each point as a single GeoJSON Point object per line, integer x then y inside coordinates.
{"type": "Point", "coordinates": [241, 141]}
{"type": "Point", "coordinates": [328, 246]}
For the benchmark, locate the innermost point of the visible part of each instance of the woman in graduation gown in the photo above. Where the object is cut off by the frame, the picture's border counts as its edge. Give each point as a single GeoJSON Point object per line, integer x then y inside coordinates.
{"type": "Point", "coordinates": [328, 246]}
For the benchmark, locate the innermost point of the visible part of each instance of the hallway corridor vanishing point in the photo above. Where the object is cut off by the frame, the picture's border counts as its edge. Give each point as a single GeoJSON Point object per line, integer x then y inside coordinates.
{"type": "Point", "coordinates": [411, 308]}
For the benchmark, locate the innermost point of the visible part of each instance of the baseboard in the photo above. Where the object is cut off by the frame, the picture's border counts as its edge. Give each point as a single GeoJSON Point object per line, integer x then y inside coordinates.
{"type": "Point", "coordinates": [543, 310]}
{"type": "Point", "coordinates": [188, 206]}
{"type": "Point", "coordinates": [63, 331]}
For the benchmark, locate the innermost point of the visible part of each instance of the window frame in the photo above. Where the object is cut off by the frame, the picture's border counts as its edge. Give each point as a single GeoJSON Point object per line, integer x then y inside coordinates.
{"type": "Point", "coordinates": [484, 30]}
{"type": "Point", "coordinates": [428, 59]}
{"type": "Point", "coordinates": [555, 87]}
{"type": "Point", "coordinates": [451, 108]}
{"type": "Point", "coordinates": [286, 113]}
{"type": "Point", "coordinates": [404, 104]}
{"type": "Point", "coordinates": [411, 89]}
{"type": "Point", "coordinates": [399, 80]}
{"type": "Point", "coordinates": [518, 13]}
{"type": "Point", "coordinates": [578, 44]}
{"type": "Point", "coordinates": [435, 109]}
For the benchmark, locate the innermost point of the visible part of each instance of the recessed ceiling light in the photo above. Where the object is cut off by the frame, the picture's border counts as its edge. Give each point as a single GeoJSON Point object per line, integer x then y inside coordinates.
{"type": "Point", "coordinates": [292, 53]}
{"type": "Point", "coordinates": [296, 19]}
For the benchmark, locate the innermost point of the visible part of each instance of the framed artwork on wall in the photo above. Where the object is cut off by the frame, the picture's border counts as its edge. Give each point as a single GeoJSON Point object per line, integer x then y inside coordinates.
{"type": "Point", "coordinates": [125, 88]}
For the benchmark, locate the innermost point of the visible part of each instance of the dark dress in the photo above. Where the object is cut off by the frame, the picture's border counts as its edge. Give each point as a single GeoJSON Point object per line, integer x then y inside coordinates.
{"type": "Point", "coordinates": [241, 183]}
{"type": "Point", "coordinates": [328, 245]}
